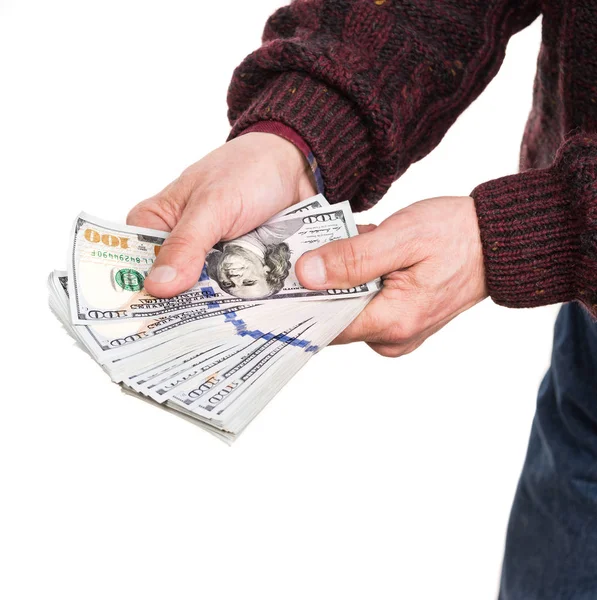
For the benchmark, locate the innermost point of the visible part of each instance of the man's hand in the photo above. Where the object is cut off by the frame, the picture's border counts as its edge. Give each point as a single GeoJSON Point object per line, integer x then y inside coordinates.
{"type": "Point", "coordinates": [231, 191]}
{"type": "Point", "coordinates": [431, 258]}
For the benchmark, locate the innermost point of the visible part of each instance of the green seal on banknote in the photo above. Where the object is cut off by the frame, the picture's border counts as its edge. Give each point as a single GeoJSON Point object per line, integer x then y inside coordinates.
{"type": "Point", "coordinates": [129, 280]}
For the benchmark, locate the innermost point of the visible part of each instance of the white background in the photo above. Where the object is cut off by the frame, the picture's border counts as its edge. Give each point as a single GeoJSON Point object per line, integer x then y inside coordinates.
{"type": "Point", "coordinates": [365, 478]}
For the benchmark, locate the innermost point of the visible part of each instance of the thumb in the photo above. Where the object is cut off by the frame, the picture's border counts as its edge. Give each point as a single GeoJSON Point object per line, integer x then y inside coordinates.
{"type": "Point", "coordinates": [181, 258]}
{"type": "Point", "coordinates": [348, 263]}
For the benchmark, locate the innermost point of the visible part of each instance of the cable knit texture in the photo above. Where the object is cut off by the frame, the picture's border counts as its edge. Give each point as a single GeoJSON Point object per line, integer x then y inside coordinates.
{"type": "Point", "coordinates": [373, 85]}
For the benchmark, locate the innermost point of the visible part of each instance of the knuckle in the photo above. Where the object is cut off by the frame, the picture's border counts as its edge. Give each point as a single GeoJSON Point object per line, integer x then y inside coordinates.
{"type": "Point", "coordinates": [410, 348]}
{"type": "Point", "coordinates": [348, 265]}
{"type": "Point", "coordinates": [179, 244]}
{"type": "Point", "coordinates": [388, 351]}
{"type": "Point", "coordinates": [396, 350]}
{"type": "Point", "coordinates": [170, 202]}
{"type": "Point", "coordinates": [140, 212]}
{"type": "Point", "coordinates": [167, 206]}
{"type": "Point", "coordinates": [134, 215]}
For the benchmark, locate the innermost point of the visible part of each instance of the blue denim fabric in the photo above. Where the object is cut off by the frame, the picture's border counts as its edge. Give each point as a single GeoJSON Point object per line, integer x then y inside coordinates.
{"type": "Point", "coordinates": [551, 546]}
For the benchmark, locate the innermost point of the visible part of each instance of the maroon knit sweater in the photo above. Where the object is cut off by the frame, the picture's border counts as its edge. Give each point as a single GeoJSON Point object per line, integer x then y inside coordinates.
{"type": "Point", "coordinates": [372, 86]}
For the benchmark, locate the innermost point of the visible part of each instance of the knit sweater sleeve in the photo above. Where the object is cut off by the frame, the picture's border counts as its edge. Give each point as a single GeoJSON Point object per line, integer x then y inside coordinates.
{"type": "Point", "coordinates": [539, 230]}
{"type": "Point", "coordinates": [372, 85]}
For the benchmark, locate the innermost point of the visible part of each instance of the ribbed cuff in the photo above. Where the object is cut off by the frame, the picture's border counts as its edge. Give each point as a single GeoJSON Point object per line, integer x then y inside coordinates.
{"type": "Point", "coordinates": [327, 122]}
{"type": "Point", "coordinates": [532, 228]}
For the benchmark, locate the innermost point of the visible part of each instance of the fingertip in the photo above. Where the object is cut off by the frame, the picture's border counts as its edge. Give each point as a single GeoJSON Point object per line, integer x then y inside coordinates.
{"type": "Point", "coordinates": [340, 340]}
{"type": "Point", "coordinates": [160, 274]}
{"type": "Point", "coordinates": [165, 281]}
{"type": "Point", "coordinates": [311, 271]}
{"type": "Point", "coordinates": [366, 228]}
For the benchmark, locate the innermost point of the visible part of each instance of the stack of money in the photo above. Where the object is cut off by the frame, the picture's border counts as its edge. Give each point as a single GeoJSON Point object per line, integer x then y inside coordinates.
{"type": "Point", "coordinates": [218, 353]}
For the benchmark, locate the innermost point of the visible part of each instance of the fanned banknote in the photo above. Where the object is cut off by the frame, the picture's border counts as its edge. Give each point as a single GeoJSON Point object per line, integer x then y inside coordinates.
{"type": "Point", "coordinates": [109, 264]}
{"type": "Point", "coordinates": [218, 353]}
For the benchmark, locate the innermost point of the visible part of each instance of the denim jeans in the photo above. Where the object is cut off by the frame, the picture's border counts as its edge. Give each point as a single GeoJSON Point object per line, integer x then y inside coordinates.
{"type": "Point", "coordinates": [551, 545]}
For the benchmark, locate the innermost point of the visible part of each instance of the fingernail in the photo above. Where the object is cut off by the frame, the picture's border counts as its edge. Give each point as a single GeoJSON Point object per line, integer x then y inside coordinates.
{"type": "Point", "coordinates": [162, 274]}
{"type": "Point", "coordinates": [314, 270]}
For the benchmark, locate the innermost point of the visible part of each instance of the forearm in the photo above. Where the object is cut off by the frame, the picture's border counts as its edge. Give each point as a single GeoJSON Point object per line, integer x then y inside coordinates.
{"type": "Point", "coordinates": [372, 86]}
{"type": "Point", "coordinates": [539, 230]}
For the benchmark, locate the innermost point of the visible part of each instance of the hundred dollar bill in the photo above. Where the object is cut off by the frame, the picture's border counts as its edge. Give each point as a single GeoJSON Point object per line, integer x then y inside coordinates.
{"type": "Point", "coordinates": [157, 384]}
{"type": "Point", "coordinates": [139, 247]}
{"type": "Point", "coordinates": [110, 262]}
{"type": "Point", "coordinates": [217, 375]}
{"type": "Point", "coordinates": [310, 204]}
{"type": "Point", "coordinates": [108, 341]}
{"type": "Point", "coordinates": [204, 394]}
{"type": "Point", "coordinates": [212, 355]}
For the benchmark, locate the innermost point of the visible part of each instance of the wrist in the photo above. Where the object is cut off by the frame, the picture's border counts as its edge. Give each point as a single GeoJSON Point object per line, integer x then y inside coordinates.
{"type": "Point", "coordinates": [327, 121]}
{"type": "Point", "coordinates": [309, 177]}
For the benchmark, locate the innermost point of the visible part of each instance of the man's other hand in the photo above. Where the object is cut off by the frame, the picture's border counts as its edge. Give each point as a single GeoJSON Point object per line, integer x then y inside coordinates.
{"type": "Point", "coordinates": [431, 259]}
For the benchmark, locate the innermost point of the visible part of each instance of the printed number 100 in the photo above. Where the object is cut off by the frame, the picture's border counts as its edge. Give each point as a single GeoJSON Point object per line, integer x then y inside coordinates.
{"type": "Point", "coordinates": [321, 218]}
{"type": "Point", "coordinates": [347, 291]}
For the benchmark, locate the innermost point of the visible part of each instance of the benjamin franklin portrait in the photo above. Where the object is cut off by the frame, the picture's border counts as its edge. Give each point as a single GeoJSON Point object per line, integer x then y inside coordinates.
{"type": "Point", "coordinates": [254, 265]}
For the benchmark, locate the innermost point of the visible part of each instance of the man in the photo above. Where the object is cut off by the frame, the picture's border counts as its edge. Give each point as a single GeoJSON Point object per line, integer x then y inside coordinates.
{"type": "Point", "coordinates": [364, 88]}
